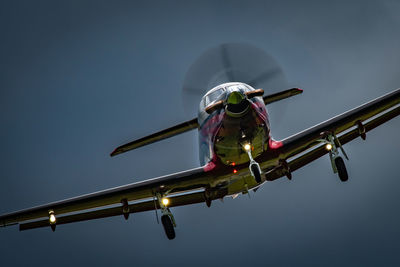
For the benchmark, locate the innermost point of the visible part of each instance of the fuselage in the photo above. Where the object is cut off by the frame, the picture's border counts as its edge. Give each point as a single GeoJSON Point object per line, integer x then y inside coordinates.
{"type": "Point", "coordinates": [224, 132]}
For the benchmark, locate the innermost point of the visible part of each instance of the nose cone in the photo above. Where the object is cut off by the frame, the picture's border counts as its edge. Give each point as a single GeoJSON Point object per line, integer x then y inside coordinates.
{"type": "Point", "coordinates": [235, 97]}
{"type": "Point", "coordinates": [237, 104]}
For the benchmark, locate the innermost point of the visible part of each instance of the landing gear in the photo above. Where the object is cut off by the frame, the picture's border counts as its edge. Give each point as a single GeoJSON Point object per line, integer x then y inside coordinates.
{"type": "Point", "coordinates": [167, 219]}
{"type": "Point", "coordinates": [337, 162]}
{"type": "Point", "coordinates": [254, 167]}
{"type": "Point", "coordinates": [255, 170]}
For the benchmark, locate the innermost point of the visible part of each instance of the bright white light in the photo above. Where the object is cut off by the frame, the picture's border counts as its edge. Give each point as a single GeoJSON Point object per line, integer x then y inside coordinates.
{"type": "Point", "coordinates": [165, 201]}
{"type": "Point", "coordinates": [247, 147]}
{"type": "Point", "coordinates": [52, 218]}
{"type": "Point", "coordinates": [328, 147]}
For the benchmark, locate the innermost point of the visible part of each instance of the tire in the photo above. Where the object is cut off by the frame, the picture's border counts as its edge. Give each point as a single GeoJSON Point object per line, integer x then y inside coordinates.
{"type": "Point", "coordinates": [168, 226]}
{"type": "Point", "coordinates": [341, 167]}
{"type": "Point", "coordinates": [256, 173]}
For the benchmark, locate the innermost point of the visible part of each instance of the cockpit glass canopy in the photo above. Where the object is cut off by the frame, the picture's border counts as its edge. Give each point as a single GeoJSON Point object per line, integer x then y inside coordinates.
{"type": "Point", "coordinates": [215, 95]}
{"type": "Point", "coordinates": [220, 93]}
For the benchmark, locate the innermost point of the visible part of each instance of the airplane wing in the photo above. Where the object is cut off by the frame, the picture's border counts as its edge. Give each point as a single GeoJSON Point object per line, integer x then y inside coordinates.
{"type": "Point", "coordinates": [147, 205]}
{"type": "Point", "coordinates": [177, 183]}
{"type": "Point", "coordinates": [172, 131]}
{"type": "Point", "coordinates": [281, 95]}
{"type": "Point", "coordinates": [306, 146]}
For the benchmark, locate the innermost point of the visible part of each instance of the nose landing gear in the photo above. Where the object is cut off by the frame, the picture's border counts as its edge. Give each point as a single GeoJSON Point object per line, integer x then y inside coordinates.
{"type": "Point", "coordinates": [254, 167]}
{"type": "Point", "coordinates": [256, 172]}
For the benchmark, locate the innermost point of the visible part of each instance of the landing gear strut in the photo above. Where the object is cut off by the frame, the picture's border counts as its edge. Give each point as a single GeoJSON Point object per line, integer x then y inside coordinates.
{"type": "Point", "coordinates": [254, 167]}
{"type": "Point", "coordinates": [255, 170]}
{"type": "Point", "coordinates": [337, 161]}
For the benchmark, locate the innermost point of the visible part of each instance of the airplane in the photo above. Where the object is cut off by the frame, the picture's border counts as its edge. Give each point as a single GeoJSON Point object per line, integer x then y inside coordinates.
{"type": "Point", "coordinates": [237, 155]}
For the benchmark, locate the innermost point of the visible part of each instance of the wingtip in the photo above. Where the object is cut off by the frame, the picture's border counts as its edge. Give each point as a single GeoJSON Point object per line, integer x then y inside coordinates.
{"type": "Point", "coordinates": [115, 152]}
{"type": "Point", "coordinates": [296, 91]}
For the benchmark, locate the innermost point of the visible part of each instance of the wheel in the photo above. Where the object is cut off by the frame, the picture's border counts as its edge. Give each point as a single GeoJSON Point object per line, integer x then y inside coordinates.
{"type": "Point", "coordinates": [341, 167]}
{"type": "Point", "coordinates": [168, 226]}
{"type": "Point", "coordinates": [256, 173]}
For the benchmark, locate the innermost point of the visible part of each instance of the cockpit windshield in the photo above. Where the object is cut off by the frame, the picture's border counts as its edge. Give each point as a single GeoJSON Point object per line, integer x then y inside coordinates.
{"type": "Point", "coordinates": [213, 96]}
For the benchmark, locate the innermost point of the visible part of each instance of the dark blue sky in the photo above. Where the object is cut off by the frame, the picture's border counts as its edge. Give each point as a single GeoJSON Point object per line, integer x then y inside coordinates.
{"type": "Point", "coordinates": [78, 78]}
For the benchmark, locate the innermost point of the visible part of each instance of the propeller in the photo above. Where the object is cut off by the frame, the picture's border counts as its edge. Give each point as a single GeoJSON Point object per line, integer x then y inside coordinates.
{"type": "Point", "coordinates": [231, 62]}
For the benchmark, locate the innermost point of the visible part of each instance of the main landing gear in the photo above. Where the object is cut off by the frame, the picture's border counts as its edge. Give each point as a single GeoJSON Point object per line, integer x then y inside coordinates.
{"type": "Point", "coordinates": [254, 167]}
{"type": "Point", "coordinates": [167, 219]}
{"type": "Point", "coordinates": [337, 161]}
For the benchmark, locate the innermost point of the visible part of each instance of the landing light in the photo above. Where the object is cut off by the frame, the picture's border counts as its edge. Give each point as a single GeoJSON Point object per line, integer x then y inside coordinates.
{"type": "Point", "coordinates": [247, 147]}
{"type": "Point", "coordinates": [52, 217]}
{"type": "Point", "coordinates": [165, 201]}
{"type": "Point", "coordinates": [328, 147]}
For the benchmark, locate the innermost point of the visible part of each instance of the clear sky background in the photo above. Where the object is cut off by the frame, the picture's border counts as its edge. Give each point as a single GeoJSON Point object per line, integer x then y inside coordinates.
{"type": "Point", "coordinates": [78, 78]}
